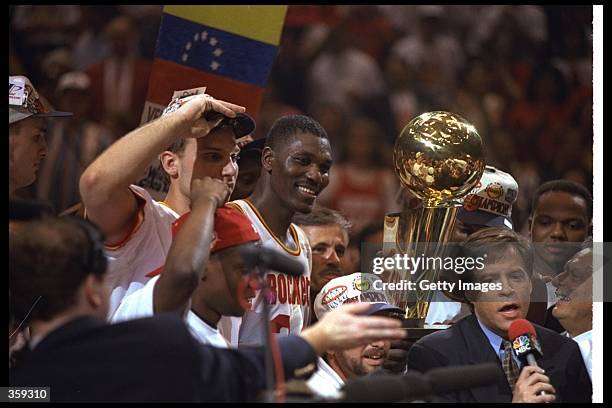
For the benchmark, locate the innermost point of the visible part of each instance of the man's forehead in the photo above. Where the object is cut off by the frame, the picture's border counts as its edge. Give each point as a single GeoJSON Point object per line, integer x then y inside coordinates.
{"type": "Point", "coordinates": [503, 258]}
{"type": "Point", "coordinates": [326, 232]}
{"type": "Point", "coordinates": [309, 142]}
{"type": "Point", "coordinates": [34, 123]}
{"type": "Point", "coordinates": [223, 137]}
{"type": "Point", "coordinates": [561, 202]}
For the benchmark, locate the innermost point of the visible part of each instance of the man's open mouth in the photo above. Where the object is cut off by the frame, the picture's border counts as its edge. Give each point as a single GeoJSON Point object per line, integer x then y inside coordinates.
{"type": "Point", "coordinates": [374, 357]}
{"type": "Point", "coordinates": [509, 310]}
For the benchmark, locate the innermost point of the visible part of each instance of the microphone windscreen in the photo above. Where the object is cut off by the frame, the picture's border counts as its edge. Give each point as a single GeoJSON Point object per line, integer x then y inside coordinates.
{"type": "Point", "coordinates": [270, 259]}
{"type": "Point", "coordinates": [449, 379]}
{"type": "Point", "coordinates": [520, 327]}
{"type": "Point", "coordinates": [386, 388]}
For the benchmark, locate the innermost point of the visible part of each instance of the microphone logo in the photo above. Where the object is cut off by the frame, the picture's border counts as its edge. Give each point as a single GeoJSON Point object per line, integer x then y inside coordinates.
{"type": "Point", "coordinates": [521, 344]}
{"type": "Point", "coordinates": [525, 344]}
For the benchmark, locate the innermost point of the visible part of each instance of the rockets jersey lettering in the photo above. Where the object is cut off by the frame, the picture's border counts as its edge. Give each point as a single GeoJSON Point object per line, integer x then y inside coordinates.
{"type": "Point", "coordinates": [289, 303]}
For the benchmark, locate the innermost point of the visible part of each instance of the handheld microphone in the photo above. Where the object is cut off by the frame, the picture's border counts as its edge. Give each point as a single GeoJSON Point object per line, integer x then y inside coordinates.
{"type": "Point", "coordinates": [415, 385]}
{"type": "Point", "coordinates": [525, 341]}
{"type": "Point", "coordinates": [256, 255]}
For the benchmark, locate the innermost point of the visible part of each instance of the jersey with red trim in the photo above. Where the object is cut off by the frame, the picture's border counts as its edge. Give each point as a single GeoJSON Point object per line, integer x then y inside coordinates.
{"type": "Point", "coordinates": [290, 305]}
{"type": "Point", "coordinates": [143, 250]}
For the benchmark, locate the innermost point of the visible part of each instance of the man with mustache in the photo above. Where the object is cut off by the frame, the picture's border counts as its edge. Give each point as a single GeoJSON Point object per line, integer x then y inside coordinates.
{"type": "Point", "coordinates": [335, 368]}
{"type": "Point", "coordinates": [328, 234]}
{"type": "Point", "coordinates": [574, 307]}
{"type": "Point", "coordinates": [561, 219]}
{"type": "Point", "coordinates": [136, 226]}
{"type": "Point", "coordinates": [295, 161]}
{"type": "Point", "coordinates": [482, 336]}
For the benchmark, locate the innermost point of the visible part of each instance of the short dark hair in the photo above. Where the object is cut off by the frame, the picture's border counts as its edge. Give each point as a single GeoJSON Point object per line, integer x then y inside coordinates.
{"type": "Point", "coordinates": [178, 146]}
{"type": "Point", "coordinates": [48, 262]}
{"type": "Point", "coordinates": [564, 186]}
{"type": "Point", "coordinates": [26, 209]}
{"type": "Point", "coordinates": [322, 216]}
{"type": "Point", "coordinates": [490, 240]}
{"type": "Point", "coordinates": [286, 127]}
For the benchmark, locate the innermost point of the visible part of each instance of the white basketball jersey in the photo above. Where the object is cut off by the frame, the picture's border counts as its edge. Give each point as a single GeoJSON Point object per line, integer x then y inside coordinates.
{"type": "Point", "coordinates": [290, 305]}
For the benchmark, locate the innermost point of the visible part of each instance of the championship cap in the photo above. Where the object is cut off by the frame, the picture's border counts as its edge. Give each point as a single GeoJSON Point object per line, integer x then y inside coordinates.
{"type": "Point", "coordinates": [232, 228]}
{"type": "Point", "coordinates": [354, 288]}
{"type": "Point", "coordinates": [25, 102]}
{"type": "Point", "coordinates": [490, 202]}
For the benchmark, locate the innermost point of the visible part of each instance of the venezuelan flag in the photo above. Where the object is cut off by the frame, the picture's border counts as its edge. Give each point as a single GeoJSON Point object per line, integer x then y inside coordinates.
{"type": "Point", "coordinates": [228, 49]}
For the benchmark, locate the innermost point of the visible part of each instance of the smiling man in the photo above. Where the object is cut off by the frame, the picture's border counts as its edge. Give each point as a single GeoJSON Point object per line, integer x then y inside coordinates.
{"type": "Point", "coordinates": [295, 163]}
{"type": "Point", "coordinates": [574, 307]}
{"type": "Point", "coordinates": [335, 368]}
{"type": "Point", "coordinates": [482, 337]}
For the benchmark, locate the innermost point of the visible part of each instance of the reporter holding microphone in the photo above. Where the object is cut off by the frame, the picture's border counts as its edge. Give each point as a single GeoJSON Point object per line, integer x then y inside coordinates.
{"type": "Point", "coordinates": [483, 336]}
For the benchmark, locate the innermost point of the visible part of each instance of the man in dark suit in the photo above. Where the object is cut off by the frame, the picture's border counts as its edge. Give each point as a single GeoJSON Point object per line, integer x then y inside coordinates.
{"type": "Point", "coordinates": [482, 337]}
{"type": "Point", "coordinates": [56, 272]}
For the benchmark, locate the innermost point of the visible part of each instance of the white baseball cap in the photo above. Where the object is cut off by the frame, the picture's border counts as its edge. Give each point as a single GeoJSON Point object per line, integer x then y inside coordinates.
{"type": "Point", "coordinates": [25, 102]}
{"type": "Point", "coordinates": [490, 202]}
{"type": "Point", "coordinates": [354, 288]}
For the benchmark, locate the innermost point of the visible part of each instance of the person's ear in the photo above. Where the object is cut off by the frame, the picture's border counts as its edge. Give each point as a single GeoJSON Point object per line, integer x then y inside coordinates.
{"type": "Point", "coordinates": [170, 163]}
{"type": "Point", "coordinates": [267, 158]}
{"type": "Point", "coordinates": [94, 295]}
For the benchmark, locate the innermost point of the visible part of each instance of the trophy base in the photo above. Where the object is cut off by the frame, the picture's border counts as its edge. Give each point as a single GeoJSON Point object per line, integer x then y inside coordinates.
{"type": "Point", "coordinates": [417, 329]}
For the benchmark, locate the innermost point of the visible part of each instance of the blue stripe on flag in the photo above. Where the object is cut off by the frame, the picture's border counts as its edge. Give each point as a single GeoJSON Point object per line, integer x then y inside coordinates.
{"type": "Point", "coordinates": [218, 52]}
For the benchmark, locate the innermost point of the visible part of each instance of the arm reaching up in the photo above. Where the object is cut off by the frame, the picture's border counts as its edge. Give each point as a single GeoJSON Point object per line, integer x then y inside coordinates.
{"type": "Point", "coordinates": [104, 185]}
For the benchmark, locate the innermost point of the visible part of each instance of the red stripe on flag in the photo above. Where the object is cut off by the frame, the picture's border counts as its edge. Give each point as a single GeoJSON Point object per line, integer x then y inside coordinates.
{"type": "Point", "coordinates": [167, 77]}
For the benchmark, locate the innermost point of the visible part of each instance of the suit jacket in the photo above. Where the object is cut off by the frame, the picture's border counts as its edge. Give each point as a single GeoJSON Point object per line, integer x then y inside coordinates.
{"type": "Point", "coordinates": [464, 343]}
{"type": "Point", "coordinates": [152, 359]}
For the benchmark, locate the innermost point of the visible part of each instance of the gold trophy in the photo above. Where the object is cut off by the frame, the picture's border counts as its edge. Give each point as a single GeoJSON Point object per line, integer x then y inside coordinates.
{"type": "Point", "coordinates": [438, 157]}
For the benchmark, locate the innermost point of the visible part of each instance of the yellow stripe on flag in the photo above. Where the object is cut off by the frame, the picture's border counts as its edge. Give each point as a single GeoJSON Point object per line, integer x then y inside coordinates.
{"type": "Point", "coordinates": [261, 23]}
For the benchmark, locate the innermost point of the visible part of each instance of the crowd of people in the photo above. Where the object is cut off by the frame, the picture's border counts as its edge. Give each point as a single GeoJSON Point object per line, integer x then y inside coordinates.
{"type": "Point", "coordinates": [161, 286]}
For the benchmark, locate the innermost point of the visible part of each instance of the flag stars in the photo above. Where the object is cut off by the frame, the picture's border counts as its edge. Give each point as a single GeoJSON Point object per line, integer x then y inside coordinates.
{"type": "Point", "coordinates": [204, 35]}
{"type": "Point", "coordinates": [214, 65]}
{"type": "Point", "coordinates": [185, 56]}
{"type": "Point", "coordinates": [213, 41]}
{"type": "Point", "coordinates": [217, 52]}
{"type": "Point", "coordinates": [196, 37]}
{"type": "Point", "coordinates": [188, 46]}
